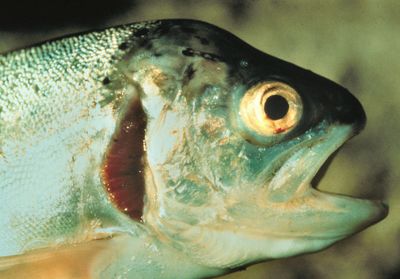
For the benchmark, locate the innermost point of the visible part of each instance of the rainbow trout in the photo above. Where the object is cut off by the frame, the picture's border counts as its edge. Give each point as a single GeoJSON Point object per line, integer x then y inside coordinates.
{"type": "Point", "coordinates": [166, 149]}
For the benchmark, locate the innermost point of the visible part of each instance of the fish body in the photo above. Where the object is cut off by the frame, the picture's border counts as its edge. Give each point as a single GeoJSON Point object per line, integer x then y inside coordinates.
{"type": "Point", "coordinates": [166, 149]}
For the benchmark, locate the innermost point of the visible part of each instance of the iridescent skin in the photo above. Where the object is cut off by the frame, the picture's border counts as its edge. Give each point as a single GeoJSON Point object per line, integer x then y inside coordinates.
{"type": "Point", "coordinates": [218, 195]}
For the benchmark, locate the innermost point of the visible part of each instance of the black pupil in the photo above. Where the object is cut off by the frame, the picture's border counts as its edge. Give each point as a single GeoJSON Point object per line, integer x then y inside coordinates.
{"type": "Point", "coordinates": [276, 107]}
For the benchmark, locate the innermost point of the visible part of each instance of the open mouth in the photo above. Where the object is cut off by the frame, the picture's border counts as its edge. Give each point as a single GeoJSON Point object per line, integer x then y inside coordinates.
{"type": "Point", "coordinates": [297, 180]}
{"type": "Point", "coordinates": [327, 146]}
{"type": "Point", "coordinates": [320, 153]}
{"type": "Point", "coordinates": [352, 214]}
{"type": "Point", "coordinates": [306, 163]}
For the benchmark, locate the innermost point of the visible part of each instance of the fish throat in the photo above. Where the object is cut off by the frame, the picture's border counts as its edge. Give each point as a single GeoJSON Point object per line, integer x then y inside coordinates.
{"type": "Point", "coordinates": [123, 166]}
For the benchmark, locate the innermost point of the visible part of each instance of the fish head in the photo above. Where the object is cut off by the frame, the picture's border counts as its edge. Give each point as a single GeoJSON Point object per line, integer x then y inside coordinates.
{"type": "Point", "coordinates": [234, 138]}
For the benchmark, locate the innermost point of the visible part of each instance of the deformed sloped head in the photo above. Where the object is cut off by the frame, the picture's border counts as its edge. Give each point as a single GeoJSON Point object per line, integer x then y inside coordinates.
{"type": "Point", "coordinates": [233, 140]}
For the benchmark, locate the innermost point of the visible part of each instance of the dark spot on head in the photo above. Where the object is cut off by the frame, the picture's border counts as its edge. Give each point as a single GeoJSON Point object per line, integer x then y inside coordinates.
{"type": "Point", "coordinates": [141, 32]}
{"type": "Point", "coordinates": [202, 40]}
{"type": "Point", "coordinates": [188, 74]}
{"type": "Point", "coordinates": [36, 88]}
{"type": "Point", "coordinates": [106, 81]}
{"type": "Point", "coordinates": [188, 52]}
{"type": "Point", "coordinates": [123, 46]}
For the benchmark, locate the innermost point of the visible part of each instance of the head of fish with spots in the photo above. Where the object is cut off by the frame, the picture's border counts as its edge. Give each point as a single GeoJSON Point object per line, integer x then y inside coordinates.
{"type": "Point", "coordinates": [232, 140]}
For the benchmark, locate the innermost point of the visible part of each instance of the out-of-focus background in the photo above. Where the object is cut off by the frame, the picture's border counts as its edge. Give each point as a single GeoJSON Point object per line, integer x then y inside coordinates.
{"type": "Point", "coordinates": [355, 43]}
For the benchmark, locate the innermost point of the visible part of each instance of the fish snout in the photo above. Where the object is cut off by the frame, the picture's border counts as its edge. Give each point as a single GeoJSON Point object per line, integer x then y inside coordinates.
{"type": "Point", "coordinates": [346, 109]}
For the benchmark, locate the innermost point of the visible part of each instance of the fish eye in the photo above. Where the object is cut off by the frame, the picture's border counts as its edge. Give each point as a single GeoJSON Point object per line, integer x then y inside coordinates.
{"type": "Point", "coordinates": [270, 108]}
{"type": "Point", "coordinates": [276, 107]}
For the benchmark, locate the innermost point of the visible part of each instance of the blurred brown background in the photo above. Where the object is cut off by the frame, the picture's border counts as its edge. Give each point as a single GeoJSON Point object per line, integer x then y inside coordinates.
{"type": "Point", "coordinates": [355, 43]}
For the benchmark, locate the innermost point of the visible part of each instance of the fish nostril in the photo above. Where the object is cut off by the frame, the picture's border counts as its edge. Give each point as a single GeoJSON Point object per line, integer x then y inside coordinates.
{"type": "Point", "coordinates": [348, 110]}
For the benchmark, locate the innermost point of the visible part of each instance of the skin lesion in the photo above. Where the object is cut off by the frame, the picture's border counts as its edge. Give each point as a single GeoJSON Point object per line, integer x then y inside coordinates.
{"type": "Point", "coordinates": [212, 126]}
{"type": "Point", "coordinates": [123, 167]}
